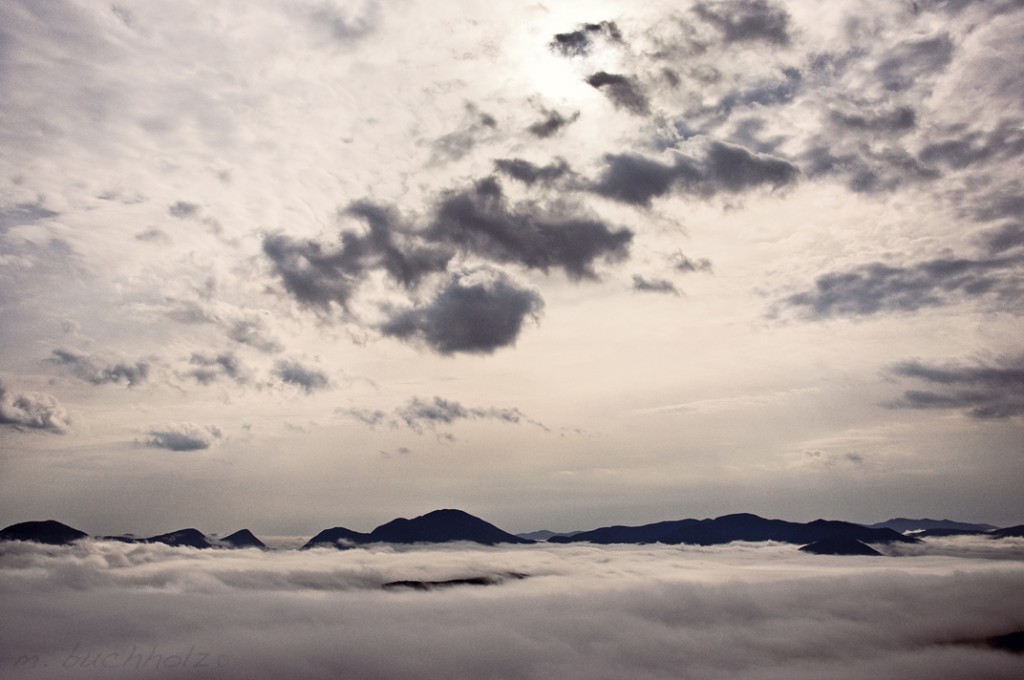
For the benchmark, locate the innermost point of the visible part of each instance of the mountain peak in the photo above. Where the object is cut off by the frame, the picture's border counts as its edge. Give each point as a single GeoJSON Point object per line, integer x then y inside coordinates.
{"type": "Point", "coordinates": [243, 538]}
{"type": "Point", "coordinates": [48, 531]}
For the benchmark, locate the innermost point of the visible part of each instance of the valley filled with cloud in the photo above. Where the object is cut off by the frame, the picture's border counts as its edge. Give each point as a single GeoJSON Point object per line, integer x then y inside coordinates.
{"type": "Point", "coordinates": [753, 611]}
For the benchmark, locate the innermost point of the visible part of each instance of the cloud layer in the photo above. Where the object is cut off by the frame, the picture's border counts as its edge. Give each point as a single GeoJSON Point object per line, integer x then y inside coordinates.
{"type": "Point", "coordinates": [753, 612]}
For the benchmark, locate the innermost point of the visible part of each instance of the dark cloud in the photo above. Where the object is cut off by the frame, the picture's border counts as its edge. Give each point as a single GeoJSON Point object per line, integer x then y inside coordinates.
{"type": "Point", "coordinates": [33, 411]}
{"type": "Point", "coordinates": [480, 220]}
{"type": "Point", "coordinates": [579, 42]}
{"type": "Point", "coordinates": [418, 413]}
{"type": "Point", "coordinates": [636, 179]}
{"type": "Point", "coordinates": [982, 391]}
{"type": "Point", "coordinates": [24, 213]}
{"type": "Point", "coordinates": [100, 371]}
{"type": "Point", "coordinates": [760, 94]}
{"type": "Point", "coordinates": [733, 169]}
{"type": "Point", "coordinates": [345, 27]}
{"type": "Point", "coordinates": [817, 457]}
{"type": "Point", "coordinates": [305, 377]}
{"type": "Point", "coordinates": [624, 92]}
{"type": "Point", "coordinates": [183, 437]}
{"type": "Point", "coordinates": [208, 369]}
{"type": "Point", "coordinates": [646, 285]}
{"type": "Point", "coordinates": [390, 246]}
{"type": "Point", "coordinates": [914, 59]}
{"type": "Point", "coordinates": [747, 20]}
{"type": "Point", "coordinates": [153, 235]}
{"type": "Point", "coordinates": [1006, 202]}
{"type": "Point", "coordinates": [1006, 237]}
{"type": "Point", "coordinates": [318, 275]}
{"type": "Point", "coordinates": [315, 275]}
{"type": "Point", "coordinates": [477, 311]}
{"type": "Point", "coordinates": [682, 263]}
{"type": "Point", "coordinates": [867, 169]}
{"type": "Point", "coordinates": [954, 7]}
{"type": "Point", "coordinates": [967, 147]}
{"type": "Point", "coordinates": [252, 332]}
{"type": "Point", "coordinates": [183, 210]}
{"type": "Point", "coordinates": [898, 120]}
{"type": "Point", "coordinates": [373, 418]}
{"type": "Point", "coordinates": [877, 288]}
{"type": "Point", "coordinates": [553, 122]}
{"type": "Point", "coordinates": [530, 174]}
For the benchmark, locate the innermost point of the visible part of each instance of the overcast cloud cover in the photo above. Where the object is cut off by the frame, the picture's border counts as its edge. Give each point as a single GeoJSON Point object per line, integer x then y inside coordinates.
{"type": "Point", "coordinates": [743, 611]}
{"type": "Point", "coordinates": [580, 263]}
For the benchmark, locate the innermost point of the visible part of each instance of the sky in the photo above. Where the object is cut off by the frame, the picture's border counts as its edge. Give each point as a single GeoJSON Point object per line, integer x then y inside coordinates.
{"type": "Point", "coordinates": [103, 609]}
{"type": "Point", "coordinates": [304, 263]}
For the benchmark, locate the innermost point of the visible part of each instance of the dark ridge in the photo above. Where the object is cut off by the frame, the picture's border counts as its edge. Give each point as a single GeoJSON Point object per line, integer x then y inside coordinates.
{"type": "Point", "coordinates": [935, 533]}
{"type": "Point", "coordinates": [902, 525]}
{"type": "Point", "coordinates": [1011, 642]}
{"type": "Point", "coordinates": [439, 526]}
{"type": "Point", "coordinates": [243, 538]}
{"type": "Point", "coordinates": [1017, 531]}
{"type": "Point", "coordinates": [646, 533]}
{"type": "Point", "coordinates": [544, 534]}
{"type": "Point", "coordinates": [47, 531]}
{"type": "Point", "coordinates": [738, 527]}
{"type": "Point", "coordinates": [442, 526]}
{"type": "Point", "coordinates": [337, 537]}
{"type": "Point", "coordinates": [839, 545]}
{"type": "Point", "coordinates": [187, 538]}
{"type": "Point", "coordinates": [470, 581]}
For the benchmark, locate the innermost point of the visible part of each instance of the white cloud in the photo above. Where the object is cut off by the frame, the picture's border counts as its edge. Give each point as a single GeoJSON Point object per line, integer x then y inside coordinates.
{"type": "Point", "coordinates": [753, 612]}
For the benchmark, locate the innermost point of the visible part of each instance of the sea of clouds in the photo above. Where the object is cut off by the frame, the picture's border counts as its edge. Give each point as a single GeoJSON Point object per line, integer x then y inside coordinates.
{"type": "Point", "coordinates": [103, 609]}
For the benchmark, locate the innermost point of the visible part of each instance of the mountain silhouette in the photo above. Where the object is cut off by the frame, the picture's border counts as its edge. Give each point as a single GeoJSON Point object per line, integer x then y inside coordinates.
{"type": "Point", "coordinates": [839, 545]}
{"type": "Point", "coordinates": [1017, 531]}
{"type": "Point", "coordinates": [191, 538]}
{"type": "Point", "coordinates": [939, 533]}
{"type": "Point", "coordinates": [544, 534]}
{"type": "Point", "coordinates": [903, 525]}
{"type": "Point", "coordinates": [337, 537]}
{"type": "Point", "coordinates": [439, 526]}
{"type": "Point", "coordinates": [737, 527]}
{"type": "Point", "coordinates": [47, 531]}
{"type": "Point", "coordinates": [242, 538]}
{"type": "Point", "coordinates": [442, 526]}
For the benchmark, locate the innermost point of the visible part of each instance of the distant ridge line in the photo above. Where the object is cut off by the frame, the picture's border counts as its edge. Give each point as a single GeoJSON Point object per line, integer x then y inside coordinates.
{"type": "Point", "coordinates": [450, 525]}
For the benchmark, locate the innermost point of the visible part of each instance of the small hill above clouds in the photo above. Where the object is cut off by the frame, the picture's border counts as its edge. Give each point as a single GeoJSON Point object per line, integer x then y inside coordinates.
{"type": "Point", "coordinates": [903, 525]}
{"type": "Point", "coordinates": [439, 526]}
{"type": "Point", "coordinates": [242, 538]}
{"type": "Point", "coordinates": [1017, 531]}
{"type": "Point", "coordinates": [47, 531]}
{"type": "Point", "coordinates": [337, 537]}
{"type": "Point", "coordinates": [191, 538]}
{"type": "Point", "coordinates": [443, 526]}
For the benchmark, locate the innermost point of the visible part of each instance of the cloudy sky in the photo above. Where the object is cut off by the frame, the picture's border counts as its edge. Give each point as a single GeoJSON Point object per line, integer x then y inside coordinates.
{"type": "Point", "coordinates": [301, 263]}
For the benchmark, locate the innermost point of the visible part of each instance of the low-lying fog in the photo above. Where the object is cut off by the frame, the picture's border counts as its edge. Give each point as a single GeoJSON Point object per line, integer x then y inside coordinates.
{"type": "Point", "coordinates": [103, 609]}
